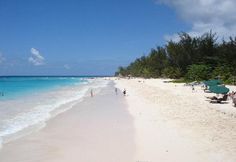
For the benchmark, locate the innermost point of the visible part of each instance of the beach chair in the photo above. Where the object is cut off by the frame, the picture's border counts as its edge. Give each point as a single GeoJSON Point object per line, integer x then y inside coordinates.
{"type": "Point", "coordinates": [219, 100]}
{"type": "Point", "coordinates": [212, 98]}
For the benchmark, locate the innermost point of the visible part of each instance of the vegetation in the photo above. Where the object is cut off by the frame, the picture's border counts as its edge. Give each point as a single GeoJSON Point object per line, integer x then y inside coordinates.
{"type": "Point", "coordinates": [191, 58]}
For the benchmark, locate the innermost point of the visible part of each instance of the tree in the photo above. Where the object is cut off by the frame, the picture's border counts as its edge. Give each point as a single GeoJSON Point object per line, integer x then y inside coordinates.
{"type": "Point", "coordinates": [198, 73]}
{"type": "Point", "coordinates": [195, 58]}
{"type": "Point", "coordinates": [172, 72]}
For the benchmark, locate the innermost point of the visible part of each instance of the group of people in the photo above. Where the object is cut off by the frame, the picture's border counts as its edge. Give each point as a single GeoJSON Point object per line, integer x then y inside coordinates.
{"type": "Point", "coordinates": [225, 97]}
{"type": "Point", "coordinates": [124, 91]}
{"type": "Point", "coordinates": [116, 91]}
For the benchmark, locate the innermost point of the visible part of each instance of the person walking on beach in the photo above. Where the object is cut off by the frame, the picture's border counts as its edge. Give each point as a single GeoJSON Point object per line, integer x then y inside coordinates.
{"type": "Point", "coordinates": [91, 92]}
{"type": "Point", "coordinates": [116, 91]}
{"type": "Point", "coordinates": [124, 92]}
{"type": "Point", "coordinates": [193, 88]}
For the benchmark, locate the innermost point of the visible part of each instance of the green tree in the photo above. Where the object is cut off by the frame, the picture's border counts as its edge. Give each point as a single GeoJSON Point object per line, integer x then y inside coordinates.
{"type": "Point", "coordinates": [172, 72]}
{"type": "Point", "coordinates": [195, 58]}
{"type": "Point", "coordinates": [198, 73]}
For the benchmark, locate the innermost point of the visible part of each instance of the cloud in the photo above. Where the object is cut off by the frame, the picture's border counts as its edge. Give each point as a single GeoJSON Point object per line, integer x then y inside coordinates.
{"type": "Point", "coordinates": [205, 15]}
{"type": "Point", "coordinates": [2, 58]}
{"type": "Point", "coordinates": [174, 37]}
{"type": "Point", "coordinates": [67, 67]}
{"type": "Point", "coordinates": [36, 58]}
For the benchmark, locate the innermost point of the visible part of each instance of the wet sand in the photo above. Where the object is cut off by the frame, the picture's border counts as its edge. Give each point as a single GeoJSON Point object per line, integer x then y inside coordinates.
{"type": "Point", "coordinates": [97, 129]}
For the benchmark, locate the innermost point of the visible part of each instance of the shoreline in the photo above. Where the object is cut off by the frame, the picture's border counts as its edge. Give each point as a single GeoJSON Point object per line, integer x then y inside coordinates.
{"type": "Point", "coordinates": [156, 121]}
{"type": "Point", "coordinates": [93, 130]}
{"type": "Point", "coordinates": [41, 107]}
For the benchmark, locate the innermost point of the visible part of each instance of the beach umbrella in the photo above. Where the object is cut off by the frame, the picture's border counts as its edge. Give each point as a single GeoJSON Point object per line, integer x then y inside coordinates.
{"type": "Point", "coordinates": [219, 89]}
{"type": "Point", "coordinates": [212, 82]}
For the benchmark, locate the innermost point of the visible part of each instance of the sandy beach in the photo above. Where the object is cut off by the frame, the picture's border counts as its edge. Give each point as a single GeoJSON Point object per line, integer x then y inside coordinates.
{"type": "Point", "coordinates": [97, 129]}
{"type": "Point", "coordinates": [156, 121]}
{"type": "Point", "coordinates": [178, 124]}
{"type": "Point", "coordinates": [118, 81]}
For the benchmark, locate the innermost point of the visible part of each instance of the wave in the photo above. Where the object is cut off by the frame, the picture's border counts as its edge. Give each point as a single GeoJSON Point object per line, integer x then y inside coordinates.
{"type": "Point", "coordinates": [43, 107]}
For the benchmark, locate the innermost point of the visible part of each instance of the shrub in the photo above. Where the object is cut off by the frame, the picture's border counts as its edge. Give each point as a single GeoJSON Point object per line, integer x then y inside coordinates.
{"type": "Point", "coordinates": [171, 72]}
{"type": "Point", "coordinates": [198, 73]}
{"type": "Point", "coordinates": [223, 73]}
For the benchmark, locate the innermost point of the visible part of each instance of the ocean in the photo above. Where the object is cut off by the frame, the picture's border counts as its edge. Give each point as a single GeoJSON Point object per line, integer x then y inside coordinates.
{"type": "Point", "coordinates": [26, 103]}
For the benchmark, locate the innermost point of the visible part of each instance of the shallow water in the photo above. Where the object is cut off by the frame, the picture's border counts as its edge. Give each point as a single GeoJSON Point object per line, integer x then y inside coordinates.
{"type": "Point", "coordinates": [30, 101]}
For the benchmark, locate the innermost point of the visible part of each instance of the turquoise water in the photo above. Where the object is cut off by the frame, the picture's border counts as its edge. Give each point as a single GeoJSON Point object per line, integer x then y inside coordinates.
{"type": "Point", "coordinates": [13, 87]}
{"type": "Point", "coordinates": [29, 101]}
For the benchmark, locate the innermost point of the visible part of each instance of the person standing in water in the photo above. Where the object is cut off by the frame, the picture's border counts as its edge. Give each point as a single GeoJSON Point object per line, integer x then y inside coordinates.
{"type": "Point", "coordinates": [91, 92]}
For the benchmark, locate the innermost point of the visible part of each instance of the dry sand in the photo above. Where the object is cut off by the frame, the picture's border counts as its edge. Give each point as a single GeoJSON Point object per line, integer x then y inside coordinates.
{"type": "Point", "coordinates": [155, 122]}
{"type": "Point", "coordinates": [171, 117]}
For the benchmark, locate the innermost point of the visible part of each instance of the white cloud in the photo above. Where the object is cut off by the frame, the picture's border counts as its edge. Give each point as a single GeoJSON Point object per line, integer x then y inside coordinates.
{"type": "Point", "coordinates": [67, 67]}
{"type": "Point", "coordinates": [36, 58]}
{"type": "Point", "coordinates": [174, 37]}
{"type": "Point", "coordinates": [2, 58]}
{"type": "Point", "coordinates": [205, 15]}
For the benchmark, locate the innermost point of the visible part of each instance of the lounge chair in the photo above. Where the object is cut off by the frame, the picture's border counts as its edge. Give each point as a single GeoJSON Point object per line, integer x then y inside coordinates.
{"type": "Point", "coordinates": [219, 100]}
{"type": "Point", "coordinates": [212, 98]}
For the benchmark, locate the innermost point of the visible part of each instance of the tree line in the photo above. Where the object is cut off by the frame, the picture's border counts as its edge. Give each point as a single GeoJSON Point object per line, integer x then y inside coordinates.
{"type": "Point", "coordinates": [190, 58]}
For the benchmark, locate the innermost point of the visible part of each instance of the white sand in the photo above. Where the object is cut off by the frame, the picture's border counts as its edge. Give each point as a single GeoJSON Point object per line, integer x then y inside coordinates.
{"type": "Point", "coordinates": [156, 122]}
{"type": "Point", "coordinates": [175, 124]}
{"type": "Point", "coordinates": [99, 129]}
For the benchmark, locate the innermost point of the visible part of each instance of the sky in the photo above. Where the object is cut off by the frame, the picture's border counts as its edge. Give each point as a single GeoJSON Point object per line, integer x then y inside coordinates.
{"type": "Point", "coordinates": [94, 37]}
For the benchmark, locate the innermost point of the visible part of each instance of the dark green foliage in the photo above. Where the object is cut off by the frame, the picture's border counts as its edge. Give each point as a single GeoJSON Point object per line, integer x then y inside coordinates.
{"type": "Point", "coordinates": [223, 73]}
{"type": "Point", "coordinates": [198, 72]}
{"type": "Point", "coordinates": [194, 58]}
{"type": "Point", "coordinates": [171, 72]}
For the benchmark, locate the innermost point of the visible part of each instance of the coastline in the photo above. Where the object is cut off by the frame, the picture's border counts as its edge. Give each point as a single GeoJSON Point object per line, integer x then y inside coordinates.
{"type": "Point", "coordinates": [156, 121]}
{"type": "Point", "coordinates": [98, 128]}
{"type": "Point", "coordinates": [35, 109]}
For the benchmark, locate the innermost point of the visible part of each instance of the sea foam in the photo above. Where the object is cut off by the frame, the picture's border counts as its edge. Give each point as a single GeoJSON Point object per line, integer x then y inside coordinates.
{"type": "Point", "coordinates": [31, 111]}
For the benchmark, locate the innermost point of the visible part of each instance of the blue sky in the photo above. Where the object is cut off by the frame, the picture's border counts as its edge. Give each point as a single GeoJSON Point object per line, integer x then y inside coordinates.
{"type": "Point", "coordinates": [94, 37]}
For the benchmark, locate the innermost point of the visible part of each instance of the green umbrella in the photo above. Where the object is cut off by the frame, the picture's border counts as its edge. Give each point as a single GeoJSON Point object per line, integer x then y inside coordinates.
{"type": "Point", "coordinates": [212, 82]}
{"type": "Point", "coordinates": [219, 89]}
